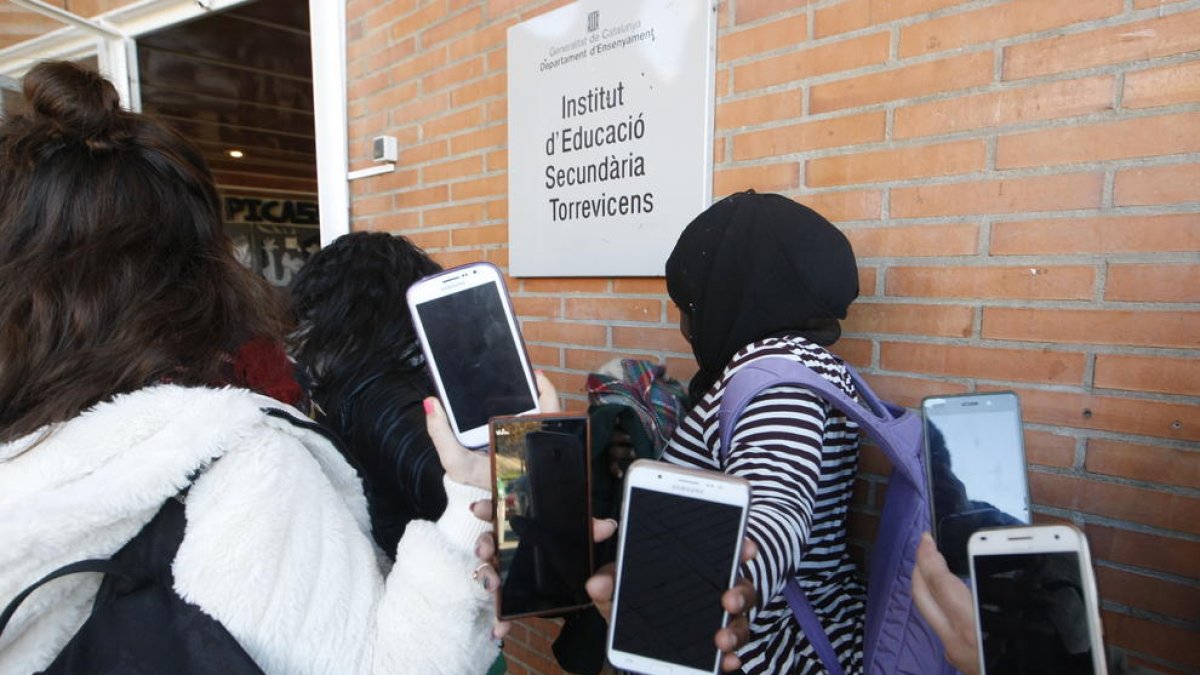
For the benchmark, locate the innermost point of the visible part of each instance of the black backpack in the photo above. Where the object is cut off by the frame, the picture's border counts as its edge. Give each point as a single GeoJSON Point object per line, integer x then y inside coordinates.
{"type": "Point", "coordinates": [139, 624]}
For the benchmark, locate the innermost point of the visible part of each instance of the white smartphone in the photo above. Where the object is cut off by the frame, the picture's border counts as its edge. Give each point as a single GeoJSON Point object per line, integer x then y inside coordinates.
{"type": "Point", "coordinates": [473, 347]}
{"type": "Point", "coordinates": [975, 456]}
{"type": "Point", "coordinates": [680, 538]}
{"type": "Point", "coordinates": [1036, 606]}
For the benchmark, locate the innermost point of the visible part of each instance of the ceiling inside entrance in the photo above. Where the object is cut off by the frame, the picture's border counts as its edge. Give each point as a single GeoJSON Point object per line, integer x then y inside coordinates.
{"type": "Point", "coordinates": [234, 81]}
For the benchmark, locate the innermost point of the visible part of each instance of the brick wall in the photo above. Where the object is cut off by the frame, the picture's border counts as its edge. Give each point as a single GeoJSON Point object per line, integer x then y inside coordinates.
{"type": "Point", "coordinates": [1020, 180]}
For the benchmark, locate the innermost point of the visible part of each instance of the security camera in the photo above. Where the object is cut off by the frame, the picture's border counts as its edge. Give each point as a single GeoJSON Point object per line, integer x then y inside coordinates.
{"type": "Point", "coordinates": [383, 149]}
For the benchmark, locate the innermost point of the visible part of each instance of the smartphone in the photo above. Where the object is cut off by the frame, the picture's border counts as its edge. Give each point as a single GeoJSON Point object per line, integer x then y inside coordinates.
{"type": "Point", "coordinates": [472, 344]}
{"type": "Point", "coordinates": [680, 538]}
{"type": "Point", "coordinates": [542, 513]}
{"type": "Point", "coordinates": [975, 457]}
{"type": "Point", "coordinates": [1036, 607]}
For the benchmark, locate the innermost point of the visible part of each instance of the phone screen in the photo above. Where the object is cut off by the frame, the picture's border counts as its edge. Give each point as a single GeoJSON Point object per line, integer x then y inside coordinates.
{"type": "Point", "coordinates": [1033, 614]}
{"type": "Point", "coordinates": [675, 564]}
{"type": "Point", "coordinates": [543, 519]}
{"type": "Point", "coordinates": [476, 355]}
{"type": "Point", "coordinates": [977, 469]}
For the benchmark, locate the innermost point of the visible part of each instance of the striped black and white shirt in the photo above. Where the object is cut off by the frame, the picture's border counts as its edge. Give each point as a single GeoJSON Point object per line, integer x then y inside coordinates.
{"type": "Point", "coordinates": [800, 456]}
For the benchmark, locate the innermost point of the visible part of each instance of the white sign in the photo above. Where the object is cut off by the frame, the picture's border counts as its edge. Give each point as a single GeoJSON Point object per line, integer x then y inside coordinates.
{"type": "Point", "coordinates": [610, 128]}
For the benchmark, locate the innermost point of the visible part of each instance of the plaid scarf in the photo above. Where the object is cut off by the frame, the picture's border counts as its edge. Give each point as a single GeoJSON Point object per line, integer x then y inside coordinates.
{"type": "Point", "coordinates": [658, 400]}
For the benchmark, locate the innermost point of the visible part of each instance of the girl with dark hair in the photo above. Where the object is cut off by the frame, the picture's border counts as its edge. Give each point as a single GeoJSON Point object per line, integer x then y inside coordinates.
{"type": "Point", "coordinates": [120, 303]}
{"type": "Point", "coordinates": [758, 275]}
{"type": "Point", "coordinates": [363, 368]}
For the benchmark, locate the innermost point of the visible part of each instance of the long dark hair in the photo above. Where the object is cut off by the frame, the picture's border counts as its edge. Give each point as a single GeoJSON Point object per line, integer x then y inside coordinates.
{"type": "Point", "coordinates": [115, 271]}
{"type": "Point", "coordinates": [363, 368]}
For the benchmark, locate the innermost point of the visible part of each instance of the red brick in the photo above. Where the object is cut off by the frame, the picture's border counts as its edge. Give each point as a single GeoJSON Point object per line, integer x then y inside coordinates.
{"type": "Point", "coordinates": [871, 318]}
{"type": "Point", "coordinates": [527, 306]}
{"type": "Point", "coordinates": [416, 154]}
{"type": "Point", "coordinates": [664, 339]}
{"type": "Point", "coordinates": [414, 23]}
{"type": "Point", "coordinates": [1015, 18]}
{"type": "Point", "coordinates": [1094, 326]}
{"type": "Point", "coordinates": [428, 240]}
{"type": "Point", "coordinates": [1047, 449]}
{"type": "Point", "coordinates": [1038, 283]}
{"type": "Point", "coordinates": [479, 236]}
{"type": "Point", "coordinates": [591, 360]}
{"type": "Point", "coordinates": [762, 177]}
{"type": "Point", "coordinates": [900, 164]}
{"type": "Point", "coordinates": [543, 357]}
{"type": "Point", "coordinates": [908, 391]}
{"type": "Point", "coordinates": [569, 333]}
{"type": "Point", "coordinates": [767, 37]}
{"type": "Point", "coordinates": [1153, 283]}
{"type": "Point", "coordinates": [866, 280]}
{"type": "Point", "coordinates": [1144, 4]}
{"type": "Point", "coordinates": [444, 125]}
{"type": "Point", "coordinates": [455, 258]}
{"type": "Point", "coordinates": [640, 285]}
{"type": "Point", "coordinates": [856, 352]}
{"type": "Point", "coordinates": [487, 186]}
{"type": "Point", "coordinates": [845, 204]}
{"type": "Point", "coordinates": [467, 22]}
{"type": "Point", "coordinates": [857, 14]}
{"type": "Point", "coordinates": [565, 285]}
{"type": "Point", "coordinates": [451, 75]}
{"type": "Point", "coordinates": [1112, 500]}
{"type": "Point", "coordinates": [681, 369]}
{"type": "Point", "coordinates": [1124, 43]}
{"type": "Point", "coordinates": [987, 363]}
{"type": "Point", "coordinates": [1160, 374]}
{"type": "Point", "coordinates": [902, 83]}
{"type": "Point", "coordinates": [753, 10]}
{"type": "Point", "coordinates": [1148, 593]}
{"type": "Point", "coordinates": [1171, 643]}
{"type": "Point", "coordinates": [432, 195]}
{"type": "Point", "coordinates": [837, 132]}
{"type": "Point", "coordinates": [1045, 101]}
{"type": "Point", "coordinates": [455, 168]}
{"type": "Point", "coordinates": [1169, 85]}
{"type": "Point", "coordinates": [1149, 551]}
{"type": "Point", "coordinates": [489, 87]}
{"type": "Point", "coordinates": [494, 136]}
{"type": "Point", "coordinates": [753, 110]}
{"type": "Point", "coordinates": [799, 65]}
{"type": "Point", "coordinates": [613, 309]}
{"type": "Point", "coordinates": [1158, 185]}
{"type": "Point", "coordinates": [481, 40]}
{"type": "Point", "coordinates": [1160, 419]}
{"type": "Point", "coordinates": [1098, 235]}
{"type": "Point", "coordinates": [1039, 193]}
{"type": "Point", "coordinates": [1124, 139]}
{"type": "Point", "coordinates": [914, 240]}
{"type": "Point", "coordinates": [1153, 464]}
{"type": "Point", "coordinates": [454, 215]}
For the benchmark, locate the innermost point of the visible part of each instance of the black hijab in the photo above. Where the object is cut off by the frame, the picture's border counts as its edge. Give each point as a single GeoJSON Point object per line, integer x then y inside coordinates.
{"type": "Point", "coordinates": [756, 265]}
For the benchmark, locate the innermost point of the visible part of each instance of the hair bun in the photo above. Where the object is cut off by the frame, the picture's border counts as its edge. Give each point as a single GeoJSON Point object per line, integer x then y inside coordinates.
{"type": "Point", "coordinates": [78, 102]}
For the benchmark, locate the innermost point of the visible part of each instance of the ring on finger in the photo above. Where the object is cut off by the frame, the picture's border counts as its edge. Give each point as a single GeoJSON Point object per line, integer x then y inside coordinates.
{"type": "Point", "coordinates": [475, 574]}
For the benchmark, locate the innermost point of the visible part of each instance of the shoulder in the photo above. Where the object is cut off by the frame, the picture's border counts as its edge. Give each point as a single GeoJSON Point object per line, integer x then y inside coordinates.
{"type": "Point", "coordinates": [819, 359]}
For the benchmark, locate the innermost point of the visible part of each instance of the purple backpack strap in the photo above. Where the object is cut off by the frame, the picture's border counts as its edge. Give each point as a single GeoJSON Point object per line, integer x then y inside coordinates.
{"type": "Point", "coordinates": [877, 417]}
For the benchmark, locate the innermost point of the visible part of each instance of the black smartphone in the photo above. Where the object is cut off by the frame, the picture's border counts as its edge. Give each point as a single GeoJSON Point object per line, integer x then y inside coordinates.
{"type": "Point", "coordinates": [1036, 606]}
{"type": "Point", "coordinates": [680, 535]}
{"type": "Point", "coordinates": [975, 457]}
{"type": "Point", "coordinates": [542, 519]}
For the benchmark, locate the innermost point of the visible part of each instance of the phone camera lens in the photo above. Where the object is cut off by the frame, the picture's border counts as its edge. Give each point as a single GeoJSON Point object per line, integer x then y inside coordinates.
{"type": "Point", "coordinates": [660, 475]}
{"type": "Point", "coordinates": [1056, 536]}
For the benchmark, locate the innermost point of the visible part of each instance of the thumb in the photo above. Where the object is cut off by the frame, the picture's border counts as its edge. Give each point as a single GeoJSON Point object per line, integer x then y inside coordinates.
{"type": "Point", "coordinates": [437, 424]}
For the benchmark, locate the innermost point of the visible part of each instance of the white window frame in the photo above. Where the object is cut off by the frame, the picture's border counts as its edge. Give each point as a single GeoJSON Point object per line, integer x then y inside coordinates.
{"type": "Point", "coordinates": [112, 37]}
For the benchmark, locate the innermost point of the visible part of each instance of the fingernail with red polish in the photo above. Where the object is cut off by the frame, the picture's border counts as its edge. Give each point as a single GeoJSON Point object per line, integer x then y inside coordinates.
{"type": "Point", "coordinates": [428, 403]}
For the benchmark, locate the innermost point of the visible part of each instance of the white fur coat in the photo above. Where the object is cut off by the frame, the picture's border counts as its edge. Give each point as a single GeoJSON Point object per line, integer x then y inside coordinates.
{"type": "Point", "coordinates": [277, 545]}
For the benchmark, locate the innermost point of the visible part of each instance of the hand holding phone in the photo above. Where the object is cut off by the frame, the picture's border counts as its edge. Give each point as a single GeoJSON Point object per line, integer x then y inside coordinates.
{"type": "Point", "coordinates": [542, 518]}
{"type": "Point", "coordinates": [1036, 606]}
{"type": "Point", "coordinates": [680, 536]}
{"type": "Point", "coordinates": [473, 348]}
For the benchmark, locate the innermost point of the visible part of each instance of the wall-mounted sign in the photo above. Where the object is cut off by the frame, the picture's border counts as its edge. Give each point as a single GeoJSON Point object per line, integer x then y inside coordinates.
{"type": "Point", "coordinates": [272, 236]}
{"type": "Point", "coordinates": [610, 127]}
